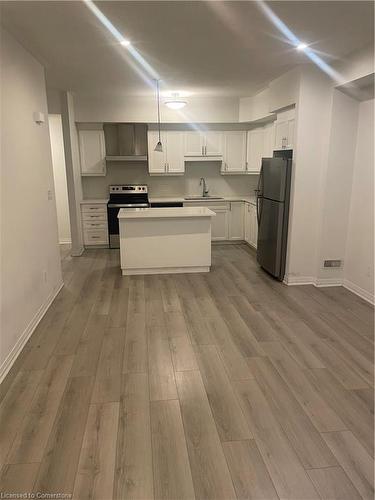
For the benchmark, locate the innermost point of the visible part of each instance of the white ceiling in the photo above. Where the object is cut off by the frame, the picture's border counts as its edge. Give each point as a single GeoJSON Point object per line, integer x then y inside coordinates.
{"type": "Point", "coordinates": [210, 48]}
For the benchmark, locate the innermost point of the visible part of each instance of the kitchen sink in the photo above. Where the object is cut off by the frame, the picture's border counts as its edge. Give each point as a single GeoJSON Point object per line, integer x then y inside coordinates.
{"type": "Point", "coordinates": [199, 198]}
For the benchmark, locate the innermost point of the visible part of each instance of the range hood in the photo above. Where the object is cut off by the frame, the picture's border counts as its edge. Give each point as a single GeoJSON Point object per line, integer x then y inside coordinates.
{"type": "Point", "coordinates": [125, 141]}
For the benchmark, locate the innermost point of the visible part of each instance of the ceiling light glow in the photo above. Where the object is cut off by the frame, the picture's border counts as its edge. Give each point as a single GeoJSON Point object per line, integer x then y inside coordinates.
{"type": "Point", "coordinates": [125, 43]}
{"type": "Point", "coordinates": [176, 104]}
{"type": "Point", "coordinates": [301, 46]}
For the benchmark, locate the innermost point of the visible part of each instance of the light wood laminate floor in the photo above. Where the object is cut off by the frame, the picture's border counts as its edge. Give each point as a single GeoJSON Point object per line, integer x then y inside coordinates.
{"type": "Point", "coordinates": [209, 386]}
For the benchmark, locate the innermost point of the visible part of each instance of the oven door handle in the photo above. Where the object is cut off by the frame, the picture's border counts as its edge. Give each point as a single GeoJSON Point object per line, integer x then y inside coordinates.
{"type": "Point", "coordinates": [127, 205]}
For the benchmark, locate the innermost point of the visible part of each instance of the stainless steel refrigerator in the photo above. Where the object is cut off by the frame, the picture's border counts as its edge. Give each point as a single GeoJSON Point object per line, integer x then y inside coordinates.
{"type": "Point", "coordinates": [273, 195]}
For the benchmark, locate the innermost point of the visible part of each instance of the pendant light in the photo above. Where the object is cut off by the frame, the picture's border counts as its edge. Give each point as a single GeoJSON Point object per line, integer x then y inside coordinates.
{"type": "Point", "coordinates": [159, 146]}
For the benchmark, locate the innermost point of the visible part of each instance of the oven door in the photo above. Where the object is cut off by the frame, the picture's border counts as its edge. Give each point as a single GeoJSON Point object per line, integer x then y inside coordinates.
{"type": "Point", "coordinates": [113, 225]}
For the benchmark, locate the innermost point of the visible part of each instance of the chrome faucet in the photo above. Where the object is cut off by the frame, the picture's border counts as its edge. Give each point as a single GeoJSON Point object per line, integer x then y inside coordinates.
{"type": "Point", "coordinates": [205, 190]}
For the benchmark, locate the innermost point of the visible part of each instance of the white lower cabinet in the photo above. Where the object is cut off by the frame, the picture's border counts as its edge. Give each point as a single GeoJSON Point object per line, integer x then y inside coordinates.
{"type": "Point", "coordinates": [251, 225]}
{"type": "Point", "coordinates": [94, 224]}
{"type": "Point", "coordinates": [220, 224]}
{"type": "Point", "coordinates": [228, 224]}
{"type": "Point", "coordinates": [236, 220]}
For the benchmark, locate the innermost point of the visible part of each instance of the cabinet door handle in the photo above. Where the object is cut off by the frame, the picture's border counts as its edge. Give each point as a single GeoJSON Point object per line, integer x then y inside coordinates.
{"type": "Point", "coordinates": [246, 165]}
{"type": "Point", "coordinates": [202, 150]}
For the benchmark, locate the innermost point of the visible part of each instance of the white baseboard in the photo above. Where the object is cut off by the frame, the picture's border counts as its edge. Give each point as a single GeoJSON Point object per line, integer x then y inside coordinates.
{"type": "Point", "coordinates": [165, 270]}
{"type": "Point", "coordinates": [65, 242]}
{"type": "Point", "coordinates": [325, 282]}
{"type": "Point", "coordinates": [299, 280]}
{"type": "Point", "coordinates": [361, 292]}
{"type": "Point", "coordinates": [24, 337]}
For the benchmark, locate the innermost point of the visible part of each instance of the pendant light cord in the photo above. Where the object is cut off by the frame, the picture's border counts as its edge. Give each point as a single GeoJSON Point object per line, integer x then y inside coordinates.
{"type": "Point", "coordinates": [158, 97]}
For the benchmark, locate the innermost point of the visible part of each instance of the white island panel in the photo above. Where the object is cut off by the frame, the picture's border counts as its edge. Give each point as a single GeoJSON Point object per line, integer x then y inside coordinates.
{"type": "Point", "coordinates": [165, 240]}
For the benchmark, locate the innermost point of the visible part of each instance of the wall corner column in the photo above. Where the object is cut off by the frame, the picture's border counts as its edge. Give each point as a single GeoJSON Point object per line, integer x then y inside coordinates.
{"type": "Point", "coordinates": [73, 173]}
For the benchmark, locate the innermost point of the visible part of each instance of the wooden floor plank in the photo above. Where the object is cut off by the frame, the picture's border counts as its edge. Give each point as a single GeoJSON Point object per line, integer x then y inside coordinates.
{"type": "Point", "coordinates": [32, 437]}
{"type": "Point", "coordinates": [107, 386]}
{"type": "Point", "coordinates": [59, 465]}
{"type": "Point", "coordinates": [249, 473]}
{"type": "Point", "coordinates": [333, 484]}
{"type": "Point", "coordinates": [209, 469]}
{"type": "Point", "coordinates": [162, 381]}
{"type": "Point", "coordinates": [13, 408]}
{"type": "Point", "coordinates": [183, 356]}
{"type": "Point", "coordinates": [88, 350]}
{"type": "Point", "coordinates": [133, 469]}
{"type": "Point", "coordinates": [304, 437]}
{"type": "Point", "coordinates": [18, 479]}
{"type": "Point", "coordinates": [96, 467]}
{"type": "Point", "coordinates": [172, 475]}
{"type": "Point", "coordinates": [353, 412]}
{"type": "Point", "coordinates": [354, 459]}
{"type": "Point", "coordinates": [317, 408]}
{"type": "Point", "coordinates": [286, 471]}
{"type": "Point", "coordinates": [230, 421]}
{"type": "Point", "coordinates": [135, 349]}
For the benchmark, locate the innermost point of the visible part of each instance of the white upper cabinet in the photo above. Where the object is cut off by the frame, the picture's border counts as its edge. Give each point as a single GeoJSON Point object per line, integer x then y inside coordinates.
{"type": "Point", "coordinates": [255, 146]}
{"type": "Point", "coordinates": [203, 144]}
{"type": "Point", "coordinates": [175, 152]}
{"type": "Point", "coordinates": [157, 160]}
{"type": "Point", "coordinates": [234, 159]}
{"type": "Point", "coordinates": [284, 130]}
{"type": "Point", "coordinates": [213, 143]}
{"type": "Point", "coordinates": [92, 152]}
{"type": "Point", "coordinates": [171, 159]}
{"type": "Point", "coordinates": [194, 143]}
{"type": "Point", "coordinates": [268, 140]}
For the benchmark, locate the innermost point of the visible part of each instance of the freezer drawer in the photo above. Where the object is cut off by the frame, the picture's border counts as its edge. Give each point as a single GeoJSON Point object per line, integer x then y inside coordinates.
{"type": "Point", "coordinates": [271, 237]}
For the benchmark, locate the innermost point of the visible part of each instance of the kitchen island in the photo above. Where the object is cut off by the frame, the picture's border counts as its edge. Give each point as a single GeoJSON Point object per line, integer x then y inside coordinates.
{"type": "Point", "coordinates": [165, 240]}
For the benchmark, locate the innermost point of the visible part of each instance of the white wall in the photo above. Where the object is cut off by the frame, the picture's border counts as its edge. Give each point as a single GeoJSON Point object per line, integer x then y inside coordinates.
{"type": "Point", "coordinates": [359, 266]}
{"type": "Point", "coordinates": [188, 184]}
{"type": "Point", "coordinates": [143, 109]}
{"type": "Point", "coordinates": [59, 175]}
{"type": "Point", "coordinates": [313, 112]}
{"type": "Point", "coordinates": [337, 185]}
{"type": "Point", "coordinates": [30, 260]}
{"type": "Point", "coordinates": [357, 65]}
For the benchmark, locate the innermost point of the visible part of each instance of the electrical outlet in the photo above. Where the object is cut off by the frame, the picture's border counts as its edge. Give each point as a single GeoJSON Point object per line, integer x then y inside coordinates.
{"type": "Point", "coordinates": [49, 195]}
{"type": "Point", "coordinates": [45, 276]}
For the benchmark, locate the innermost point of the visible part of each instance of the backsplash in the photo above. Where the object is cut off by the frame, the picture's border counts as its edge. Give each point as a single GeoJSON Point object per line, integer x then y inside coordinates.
{"type": "Point", "coordinates": [188, 184]}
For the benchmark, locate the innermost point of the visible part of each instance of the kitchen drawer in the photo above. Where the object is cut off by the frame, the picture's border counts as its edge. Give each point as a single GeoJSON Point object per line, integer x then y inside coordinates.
{"type": "Point", "coordinates": [95, 237]}
{"type": "Point", "coordinates": [212, 205]}
{"type": "Point", "coordinates": [94, 225]}
{"type": "Point", "coordinates": [92, 217]}
{"type": "Point", "coordinates": [94, 208]}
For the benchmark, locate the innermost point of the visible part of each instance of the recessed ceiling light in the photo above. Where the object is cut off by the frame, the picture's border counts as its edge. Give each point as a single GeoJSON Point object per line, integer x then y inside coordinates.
{"type": "Point", "coordinates": [301, 46]}
{"type": "Point", "coordinates": [125, 43]}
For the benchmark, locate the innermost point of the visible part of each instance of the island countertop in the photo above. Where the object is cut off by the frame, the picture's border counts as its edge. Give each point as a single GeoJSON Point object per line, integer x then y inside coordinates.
{"type": "Point", "coordinates": [165, 212]}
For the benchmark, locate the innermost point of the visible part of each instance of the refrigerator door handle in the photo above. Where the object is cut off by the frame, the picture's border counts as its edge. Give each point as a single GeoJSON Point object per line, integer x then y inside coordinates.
{"type": "Point", "coordinates": [259, 213]}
